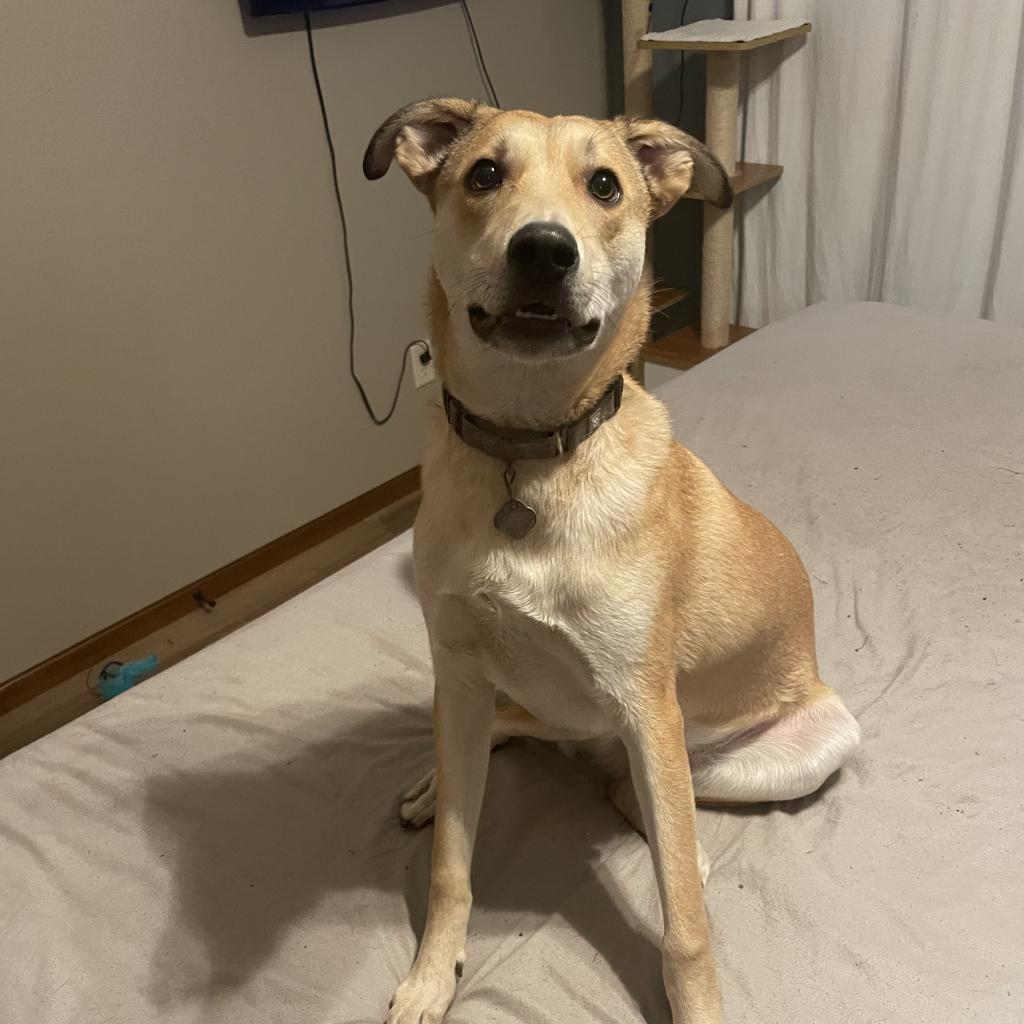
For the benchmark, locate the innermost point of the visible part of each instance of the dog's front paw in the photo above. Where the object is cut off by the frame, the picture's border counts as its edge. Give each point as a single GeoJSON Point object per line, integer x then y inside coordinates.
{"type": "Point", "coordinates": [418, 803]}
{"type": "Point", "coordinates": [422, 999]}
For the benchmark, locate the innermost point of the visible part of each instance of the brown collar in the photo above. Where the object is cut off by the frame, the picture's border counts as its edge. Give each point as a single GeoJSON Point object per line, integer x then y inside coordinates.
{"type": "Point", "coordinates": [513, 443]}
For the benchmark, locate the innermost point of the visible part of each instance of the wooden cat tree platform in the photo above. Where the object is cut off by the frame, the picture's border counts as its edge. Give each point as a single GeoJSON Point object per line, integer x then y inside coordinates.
{"type": "Point", "coordinates": [723, 42]}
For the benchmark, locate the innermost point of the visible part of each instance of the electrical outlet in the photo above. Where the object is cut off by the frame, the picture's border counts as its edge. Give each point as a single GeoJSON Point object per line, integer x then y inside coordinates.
{"type": "Point", "coordinates": [421, 359]}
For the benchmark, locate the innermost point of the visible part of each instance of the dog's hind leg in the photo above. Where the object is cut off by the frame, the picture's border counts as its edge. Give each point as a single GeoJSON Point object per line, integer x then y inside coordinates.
{"type": "Point", "coordinates": [510, 720]}
{"type": "Point", "coordinates": [623, 797]}
{"type": "Point", "coordinates": [786, 758]}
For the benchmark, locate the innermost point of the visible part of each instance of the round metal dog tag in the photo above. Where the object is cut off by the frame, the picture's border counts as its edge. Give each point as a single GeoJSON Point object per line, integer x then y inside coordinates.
{"type": "Point", "coordinates": [515, 519]}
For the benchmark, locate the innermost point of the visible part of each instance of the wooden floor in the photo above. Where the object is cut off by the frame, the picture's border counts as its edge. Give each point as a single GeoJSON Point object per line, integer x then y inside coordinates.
{"type": "Point", "coordinates": [682, 350]}
{"type": "Point", "coordinates": [199, 628]}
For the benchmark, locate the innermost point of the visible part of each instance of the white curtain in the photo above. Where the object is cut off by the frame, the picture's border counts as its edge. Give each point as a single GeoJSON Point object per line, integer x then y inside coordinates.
{"type": "Point", "coordinates": [900, 124]}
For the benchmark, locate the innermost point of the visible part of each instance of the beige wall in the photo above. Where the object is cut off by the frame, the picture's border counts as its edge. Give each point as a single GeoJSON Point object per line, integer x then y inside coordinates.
{"type": "Point", "coordinates": [173, 376]}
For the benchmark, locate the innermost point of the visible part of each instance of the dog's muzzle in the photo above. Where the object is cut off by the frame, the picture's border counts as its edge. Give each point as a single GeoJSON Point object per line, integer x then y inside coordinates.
{"type": "Point", "coordinates": [542, 260]}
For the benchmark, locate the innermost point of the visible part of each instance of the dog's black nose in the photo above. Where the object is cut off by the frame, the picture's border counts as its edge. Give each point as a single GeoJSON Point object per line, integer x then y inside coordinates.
{"type": "Point", "coordinates": [543, 251]}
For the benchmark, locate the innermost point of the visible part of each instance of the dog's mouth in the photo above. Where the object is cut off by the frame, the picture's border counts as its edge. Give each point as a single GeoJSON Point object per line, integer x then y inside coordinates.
{"type": "Point", "coordinates": [532, 325]}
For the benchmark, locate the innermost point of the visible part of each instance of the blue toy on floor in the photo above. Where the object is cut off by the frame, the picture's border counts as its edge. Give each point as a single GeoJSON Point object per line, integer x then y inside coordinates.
{"type": "Point", "coordinates": [117, 677]}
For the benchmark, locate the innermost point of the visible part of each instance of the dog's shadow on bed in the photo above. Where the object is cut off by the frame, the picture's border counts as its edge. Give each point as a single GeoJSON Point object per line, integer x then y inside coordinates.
{"type": "Point", "coordinates": [255, 842]}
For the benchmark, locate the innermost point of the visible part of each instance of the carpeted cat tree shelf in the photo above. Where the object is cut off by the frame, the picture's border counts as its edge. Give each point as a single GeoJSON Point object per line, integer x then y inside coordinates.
{"type": "Point", "coordinates": [723, 42]}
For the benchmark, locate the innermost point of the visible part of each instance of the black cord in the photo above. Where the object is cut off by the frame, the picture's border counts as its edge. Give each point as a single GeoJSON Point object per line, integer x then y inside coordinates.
{"type": "Point", "coordinates": [379, 420]}
{"type": "Point", "coordinates": [479, 54]}
{"type": "Point", "coordinates": [682, 66]}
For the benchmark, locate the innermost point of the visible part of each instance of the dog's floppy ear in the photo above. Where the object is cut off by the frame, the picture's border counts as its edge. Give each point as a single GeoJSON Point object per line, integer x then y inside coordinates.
{"type": "Point", "coordinates": [419, 137]}
{"type": "Point", "coordinates": [672, 162]}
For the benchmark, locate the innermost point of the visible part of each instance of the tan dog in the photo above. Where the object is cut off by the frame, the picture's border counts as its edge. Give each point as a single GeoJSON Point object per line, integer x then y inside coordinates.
{"type": "Point", "coordinates": [568, 552]}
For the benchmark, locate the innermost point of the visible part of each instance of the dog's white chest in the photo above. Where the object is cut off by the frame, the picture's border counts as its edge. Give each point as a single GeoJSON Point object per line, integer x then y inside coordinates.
{"type": "Point", "coordinates": [559, 620]}
{"type": "Point", "coordinates": [542, 666]}
{"type": "Point", "coordinates": [556, 637]}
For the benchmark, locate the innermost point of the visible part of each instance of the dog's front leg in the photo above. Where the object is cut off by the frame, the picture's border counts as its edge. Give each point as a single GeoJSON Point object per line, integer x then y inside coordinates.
{"type": "Point", "coordinates": [661, 776]}
{"type": "Point", "coordinates": [463, 713]}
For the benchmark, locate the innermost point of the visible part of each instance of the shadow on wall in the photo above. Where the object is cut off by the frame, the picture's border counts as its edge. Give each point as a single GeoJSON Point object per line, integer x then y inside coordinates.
{"type": "Point", "coordinates": [612, 13]}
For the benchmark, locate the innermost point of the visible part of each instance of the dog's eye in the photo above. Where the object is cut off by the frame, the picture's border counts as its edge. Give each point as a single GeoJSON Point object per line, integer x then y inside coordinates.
{"type": "Point", "coordinates": [605, 186]}
{"type": "Point", "coordinates": [484, 176]}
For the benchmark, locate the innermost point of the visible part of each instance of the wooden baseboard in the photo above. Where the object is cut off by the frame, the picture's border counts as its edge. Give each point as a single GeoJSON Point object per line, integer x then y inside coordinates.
{"type": "Point", "coordinates": [98, 647]}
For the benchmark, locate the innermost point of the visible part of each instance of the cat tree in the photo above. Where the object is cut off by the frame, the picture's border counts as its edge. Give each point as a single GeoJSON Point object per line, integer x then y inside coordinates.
{"type": "Point", "coordinates": [723, 42]}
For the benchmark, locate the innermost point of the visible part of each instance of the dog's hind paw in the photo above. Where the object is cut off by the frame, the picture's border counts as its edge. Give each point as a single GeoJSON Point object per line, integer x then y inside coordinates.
{"type": "Point", "coordinates": [419, 803]}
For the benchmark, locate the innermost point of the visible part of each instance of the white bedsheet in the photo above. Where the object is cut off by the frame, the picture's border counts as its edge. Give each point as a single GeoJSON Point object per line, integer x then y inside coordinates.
{"type": "Point", "coordinates": [220, 845]}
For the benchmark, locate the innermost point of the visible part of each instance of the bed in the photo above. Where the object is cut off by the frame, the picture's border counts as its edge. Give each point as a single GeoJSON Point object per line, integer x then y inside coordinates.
{"type": "Point", "coordinates": [220, 845]}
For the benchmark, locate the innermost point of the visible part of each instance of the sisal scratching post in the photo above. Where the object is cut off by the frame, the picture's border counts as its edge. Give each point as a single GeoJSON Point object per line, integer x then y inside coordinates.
{"type": "Point", "coordinates": [636, 63]}
{"type": "Point", "coordinates": [723, 92]}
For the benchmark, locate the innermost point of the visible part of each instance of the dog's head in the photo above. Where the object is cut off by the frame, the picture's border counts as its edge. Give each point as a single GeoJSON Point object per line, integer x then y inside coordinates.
{"type": "Point", "coordinates": [541, 222]}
